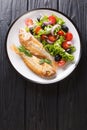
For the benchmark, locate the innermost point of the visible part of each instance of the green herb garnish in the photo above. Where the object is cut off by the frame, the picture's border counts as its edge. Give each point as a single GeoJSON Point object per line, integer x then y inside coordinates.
{"type": "Point", "coordinates": [44, 61]}
{"type": "Point", "coordinates": [26, 52]}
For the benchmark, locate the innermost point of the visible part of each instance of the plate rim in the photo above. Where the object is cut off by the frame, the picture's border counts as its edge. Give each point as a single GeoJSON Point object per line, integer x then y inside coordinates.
{"type": "Point", "coordinates": [50, 9]}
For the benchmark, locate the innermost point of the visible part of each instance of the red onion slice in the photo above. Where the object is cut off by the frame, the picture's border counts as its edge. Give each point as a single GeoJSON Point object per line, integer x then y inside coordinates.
{"type": "Point", "coordinates": [53, 28]}
{"type": "Point", "coordinates": [47, 23]}
{"type": "Point", "coordinates": [49, 41]}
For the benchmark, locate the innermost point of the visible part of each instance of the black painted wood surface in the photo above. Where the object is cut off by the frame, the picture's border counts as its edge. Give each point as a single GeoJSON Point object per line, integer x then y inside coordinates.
{"type": "Point", "coordinates": [29, 106]}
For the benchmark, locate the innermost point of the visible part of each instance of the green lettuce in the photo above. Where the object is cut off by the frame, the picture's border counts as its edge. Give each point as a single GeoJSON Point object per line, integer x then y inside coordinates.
{"type": "Point", "coordinates": [55, 49]}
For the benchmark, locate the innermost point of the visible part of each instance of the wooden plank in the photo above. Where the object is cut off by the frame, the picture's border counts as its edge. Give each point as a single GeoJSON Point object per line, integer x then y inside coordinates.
{"type": "Point", "coordinates": [41, 100]}
{"type": "Point", "coordinates": [73, 90]}
{"type": "Point", "coordinates": [12, 91]}
{"type": "Point", "coordinates": [41, 107]}
{"type": "Point", "coordinates": [59, 106]}
{"type": "Point", "coordinates": [33, 4]}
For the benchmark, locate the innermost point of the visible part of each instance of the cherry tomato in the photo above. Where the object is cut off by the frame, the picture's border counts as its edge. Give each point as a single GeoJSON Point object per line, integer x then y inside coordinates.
{"type": "Point", "coordinates": [61, 62]}
{"type": "Point", "coordinates": [52, 38]}
{"type": "Point", "coordinates": [52, 19]}
{"type": "Point", "coordinates": [65, 45]}
{"type": "Point", "coordinates": [60, 33]}
{"type": "Point", "coordinates": [28, 21]}
{"type": "Point", "coordinates": [37, 29]}
{"type": "Point", "coordinates": [69, 36]}
{"type": "Point", "coordinates": [43, 37]}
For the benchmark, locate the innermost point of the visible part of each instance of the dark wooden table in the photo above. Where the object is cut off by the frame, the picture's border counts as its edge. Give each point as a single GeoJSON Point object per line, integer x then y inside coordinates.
{"type": "Point", "coordinates": [29, 106]}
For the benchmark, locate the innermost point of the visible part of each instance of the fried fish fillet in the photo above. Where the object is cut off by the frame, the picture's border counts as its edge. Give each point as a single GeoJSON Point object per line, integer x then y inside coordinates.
{"type": "Point", "coordinates": [43, 70]}
{"type": "Point", "coordinates": [33, 45]}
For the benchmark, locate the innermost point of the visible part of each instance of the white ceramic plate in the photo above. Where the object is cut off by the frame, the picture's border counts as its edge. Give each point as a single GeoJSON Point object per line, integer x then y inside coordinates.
{"type": "Point", "coordinates": [19, 65]}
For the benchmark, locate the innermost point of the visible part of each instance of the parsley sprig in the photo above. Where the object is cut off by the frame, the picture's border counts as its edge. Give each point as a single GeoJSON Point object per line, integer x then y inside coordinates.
{"type": "Point", "coordinates": [26, 52]}
{"type": "Point", "coordinates": [45, 61]}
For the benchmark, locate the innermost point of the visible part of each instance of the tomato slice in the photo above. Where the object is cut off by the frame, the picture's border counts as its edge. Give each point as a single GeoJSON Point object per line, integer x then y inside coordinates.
{"type": "Point", "coordinates": [52, 38]}
{"type": "Point", "coordinates": [52, 19]}
{"type": "Point", "coordinates": [37, 29]}
{"type": "Point", "coordinates": [61, 33]}
{"type": "Point", "coordinates": [61, 62]}
{"type": "Point", "coordinates": [69, 36]}
{"type": "Point", "coordinates": [44, 37]}
{"type": "Point", "coordinates": [65, 45]}
{"type": "Point", "coordinates": [28, 21]}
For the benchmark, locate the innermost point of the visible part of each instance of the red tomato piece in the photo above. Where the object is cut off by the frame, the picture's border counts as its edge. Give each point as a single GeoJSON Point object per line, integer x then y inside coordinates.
{"type": "Point", "coordinates": [51, 38]}
{"type": "Point", "coordinates": [60, 33]}
{"type": "Point", "coordinates": [52, 19]}
{"type": "Point", "coordinates": [69, 36]}
{"type": "Point", "coordinates": [28, 21]}
{"type": "Point", "coordinates": [65, 45]}
{"type": "Point", "coordinates": [37, 29]}
{"type": "Point", "coordinates": [61, 62]}
{"type": "Point", "coordinates": [43, 37]}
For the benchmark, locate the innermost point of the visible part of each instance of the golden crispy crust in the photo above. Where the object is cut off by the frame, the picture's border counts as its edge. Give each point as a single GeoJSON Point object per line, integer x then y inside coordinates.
{"type": "Point", "coordinates": [33, 45]}
{"type": "Point", "coordinates": [43, 70]}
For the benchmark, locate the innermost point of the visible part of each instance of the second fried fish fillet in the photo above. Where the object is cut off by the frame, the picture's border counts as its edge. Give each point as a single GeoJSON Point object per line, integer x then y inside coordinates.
{"type": "Point", "coordinates": [33, 45]}
{"type": "Point", "coordinates": [43, 70]}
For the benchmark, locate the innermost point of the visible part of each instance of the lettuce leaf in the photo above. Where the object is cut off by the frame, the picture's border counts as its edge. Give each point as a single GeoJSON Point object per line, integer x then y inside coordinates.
{"type": "Point", "coordinates": [57, 49]}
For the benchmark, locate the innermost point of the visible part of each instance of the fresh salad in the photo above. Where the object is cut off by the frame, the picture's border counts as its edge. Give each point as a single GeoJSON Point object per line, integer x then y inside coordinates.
{"type": "Point", "coordinates": [55, 36]}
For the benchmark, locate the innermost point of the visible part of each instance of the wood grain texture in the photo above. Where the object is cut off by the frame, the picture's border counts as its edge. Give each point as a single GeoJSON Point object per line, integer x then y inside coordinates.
{"type": "Point", "coordinates": [11, 86]}
{"type": "Point", "coordinates": [33, 4]}
{"type": "Point", "coordinates": [28, 106]}
{"type": "Point", "coordinates": [41, 108]}
{"type": "Point", "coordinates": [73, 96]}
